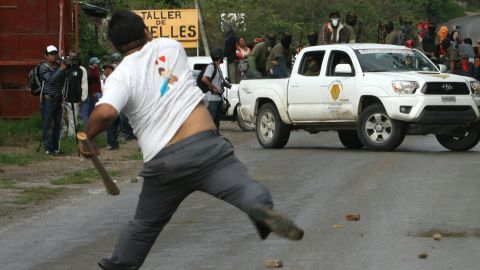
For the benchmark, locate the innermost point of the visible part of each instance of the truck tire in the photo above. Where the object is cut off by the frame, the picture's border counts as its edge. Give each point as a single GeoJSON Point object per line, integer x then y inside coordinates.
{"type": "Point", "coordinates": [349, 139]}
{"type": "Point", "coordinates": [244, 126]}
{"type": "Point", "coordinates": [466, 140]}
{"type": "Point", "coordinates": [377, 131]}
{"type": "Point", "coordinates": [271, 131]}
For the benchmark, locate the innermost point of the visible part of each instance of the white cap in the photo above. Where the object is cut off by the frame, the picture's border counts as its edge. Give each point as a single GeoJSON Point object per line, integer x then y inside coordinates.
{"type": "Point", "coordinates": [51, 48]}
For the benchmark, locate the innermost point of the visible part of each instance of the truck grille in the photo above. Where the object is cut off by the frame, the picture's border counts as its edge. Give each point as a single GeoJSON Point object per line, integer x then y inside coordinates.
{"type": "Point", "coordinates": [445, 88]}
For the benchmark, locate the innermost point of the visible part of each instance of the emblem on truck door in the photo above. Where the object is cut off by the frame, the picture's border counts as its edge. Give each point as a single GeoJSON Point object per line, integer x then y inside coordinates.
{"type": "Point", "coordinates": [335, 90]}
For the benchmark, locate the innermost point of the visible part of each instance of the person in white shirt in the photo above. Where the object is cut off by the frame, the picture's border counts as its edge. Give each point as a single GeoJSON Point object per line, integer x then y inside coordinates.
{"type": "Point", "coordinates": [214, 96]}
{"type": "Point", "coordinates": [182, 153]}
{"type": "Point", "coordinates": [72, 121]}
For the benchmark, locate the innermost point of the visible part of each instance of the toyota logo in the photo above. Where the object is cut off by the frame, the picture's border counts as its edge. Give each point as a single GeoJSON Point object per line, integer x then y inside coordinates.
{"type": "Point", "coordinates": [447, 87]}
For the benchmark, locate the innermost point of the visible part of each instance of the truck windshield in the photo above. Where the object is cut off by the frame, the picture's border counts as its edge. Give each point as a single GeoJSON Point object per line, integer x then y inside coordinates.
{"type": "Point", "coordinates": [377, 60]}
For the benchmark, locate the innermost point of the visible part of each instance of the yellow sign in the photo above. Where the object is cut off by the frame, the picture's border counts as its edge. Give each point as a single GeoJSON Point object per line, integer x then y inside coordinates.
{"type": "Point", "coordinates": [179, 24]}
{"type": "Point", "coordinates": [335, 91]}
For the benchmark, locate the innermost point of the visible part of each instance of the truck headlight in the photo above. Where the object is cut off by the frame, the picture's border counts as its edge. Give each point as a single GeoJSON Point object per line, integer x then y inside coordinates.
{"type": "Point", "coordinates": [405, 87]}
{"type": "Point", "coordinates": [475, 86]}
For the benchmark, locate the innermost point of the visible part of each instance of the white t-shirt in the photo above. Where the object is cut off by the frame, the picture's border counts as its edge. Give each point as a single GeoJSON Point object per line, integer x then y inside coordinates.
{"type": "Point", "coordinates": [135, 87]}
{"type": "Point", "coordinates": [217, 81]}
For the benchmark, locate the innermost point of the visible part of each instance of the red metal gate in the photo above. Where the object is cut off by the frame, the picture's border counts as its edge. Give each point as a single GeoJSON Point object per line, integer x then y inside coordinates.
{"type": "Point", "coordinates": [26, 28]}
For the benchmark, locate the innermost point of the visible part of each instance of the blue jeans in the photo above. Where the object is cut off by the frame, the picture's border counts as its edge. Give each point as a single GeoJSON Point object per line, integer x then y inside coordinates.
{"type": "Point", "coordinates": [52, 111]}
{"type": "Point", "coordinates": [87, 107]}
{"type": "Point", "coordinates": [112, 133]}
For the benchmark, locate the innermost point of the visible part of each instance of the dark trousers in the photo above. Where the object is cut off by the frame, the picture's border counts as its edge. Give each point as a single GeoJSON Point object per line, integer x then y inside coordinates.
{"type": "Point", "coordinates": [215, 109]}
{"type": "Point", "coordinates": [112, 133]}
{"type": "Point", "coordinates": [125, 127]}
{"type": "Point", "coordinates": [52, 111]}
{"type": "Point", "coordinates": [203, 162]}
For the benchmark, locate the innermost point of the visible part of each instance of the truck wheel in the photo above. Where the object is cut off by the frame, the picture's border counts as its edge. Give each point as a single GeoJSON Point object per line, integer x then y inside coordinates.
{"type": "Point", "coordinates": [271, 131]}
{"type": "Point", "coordinates": [465, 140]}
{"type": "Point", "coordinates": [245, 126]}
{"type": "Point", "coordinates": [349, 139]}
{"type": "Point", "coordinates": [377, 131]}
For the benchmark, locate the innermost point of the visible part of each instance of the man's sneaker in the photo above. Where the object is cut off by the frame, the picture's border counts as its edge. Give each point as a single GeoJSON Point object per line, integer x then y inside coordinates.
{"type": "Point", "coordinates": [48, 152]}
{"type": "Point", "coordinates": [275, 222]}
{"type": "Point", "coordinates": [58, 153]}
{"type": "Point", "coordinates": [111, 147]}
{"type": "Point", "coordinates": [106, 264]}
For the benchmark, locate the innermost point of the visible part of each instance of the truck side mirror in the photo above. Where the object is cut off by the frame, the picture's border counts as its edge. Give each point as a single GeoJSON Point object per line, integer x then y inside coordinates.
{"type": "Point", "coordinates": [343, 69]}
{"type": "Point", "coordinates": [443, 68]}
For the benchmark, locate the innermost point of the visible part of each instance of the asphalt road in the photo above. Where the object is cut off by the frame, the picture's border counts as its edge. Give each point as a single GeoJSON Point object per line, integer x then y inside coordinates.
{"type": "Point", "coordinates": [402, 197]}
{"type": "Point", "coordinates": [468, 27]}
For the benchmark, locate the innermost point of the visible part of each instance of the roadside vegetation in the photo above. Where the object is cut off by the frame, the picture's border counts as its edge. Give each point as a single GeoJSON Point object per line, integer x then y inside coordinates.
{"type": "Point", "coordinates": [27, 134]}
{"type": "Point", "coordinates": [298, 17]}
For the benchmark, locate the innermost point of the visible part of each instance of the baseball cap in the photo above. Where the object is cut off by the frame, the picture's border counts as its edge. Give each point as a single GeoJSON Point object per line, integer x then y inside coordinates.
{"type": "Point", "coordinates": [94, 60]}
{"type": "Point", "coordinates": [110, 65]}
{"type": "Point", "coordinates": [51, 49]}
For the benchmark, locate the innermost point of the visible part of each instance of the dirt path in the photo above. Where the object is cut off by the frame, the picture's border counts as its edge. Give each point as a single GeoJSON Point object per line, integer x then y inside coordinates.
{"type": "Point", "coordinates": [124, 163]}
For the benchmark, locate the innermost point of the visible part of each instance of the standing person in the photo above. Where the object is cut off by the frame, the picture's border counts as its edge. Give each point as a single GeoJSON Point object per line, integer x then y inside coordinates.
{"type": "Point", "coordinates": [428, 42]}
{"type": "Point", "coordinates": [451, 58]}
{"type": "Point", "coordinates": [243, 52]}
{"type": "Point", "coordinates": [334, 32]}
{"type": "Point", "coordinates": [258, 59]}
{"type": "Point", "coordinates": [116, 58]}
{"type": "Point", "coordinates": [53, 75]}
{"type": "Point", "coordinates": [392, 34]}
{"type": "Point", "coordinates": [466, 49]}
{"type": "Point", "coordinates": [182, 153]}
{"type": "Point", "coordinates": [278, 61]}
{"type": "Point", "coordinates": [75, 91]}
{"type": "Point", "coordinates": [213, 78]}
{"type": "Point", "coordinates": [355, 25]}
{"type": "Point", "coordinates": [230, 53]}
{"type": "Point", "coordinates": [476, 67]}
{"type": "Point", "coordinates": [94, 83]}
{"type": "Point", "coordinates": [112, 130]}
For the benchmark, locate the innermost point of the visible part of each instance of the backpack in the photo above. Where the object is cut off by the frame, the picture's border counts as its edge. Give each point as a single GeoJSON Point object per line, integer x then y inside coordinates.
{"type": "Point", "coordinates": [200, 83]}
{"type": "Point", "coordinates": [35, 83]}
{"type": "Point", "coordinates": [72, 90]}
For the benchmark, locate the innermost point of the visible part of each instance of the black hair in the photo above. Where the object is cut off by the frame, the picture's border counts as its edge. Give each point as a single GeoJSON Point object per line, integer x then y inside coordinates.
{"type": "Point", "coordinates": [126, 30]}
{"type": "Point", "coordinates": [467, 41]}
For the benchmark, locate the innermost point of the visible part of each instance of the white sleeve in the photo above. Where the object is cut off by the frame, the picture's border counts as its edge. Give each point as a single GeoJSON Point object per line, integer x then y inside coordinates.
{"type": "Point", "coordinates": [116, 91]}
{"type": "Point", "coordinates": [84, 83]}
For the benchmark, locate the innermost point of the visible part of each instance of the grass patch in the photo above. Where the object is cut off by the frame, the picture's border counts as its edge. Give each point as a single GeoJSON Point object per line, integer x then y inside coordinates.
{"type": "Point", "coordinates": [77, 177]}
{"type": "Point", "coordinates": [86, 176]}
{"type": "Point", "coordinates": [7, 184]}
{"type": "Point", "coordinates": [136, 156]}
{"type": "Point", "coordinates": [21, 159]}
{"type": "Point", "coordinates": [36, 194]}
{"type": "Point", "coordinates": [20, 131]}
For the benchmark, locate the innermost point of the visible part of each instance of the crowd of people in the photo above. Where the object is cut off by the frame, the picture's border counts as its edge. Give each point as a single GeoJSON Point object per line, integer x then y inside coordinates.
{"type": "Point", "coordinates": [71, 90]}
{"type": "Point", "coordinates": [264, 58]}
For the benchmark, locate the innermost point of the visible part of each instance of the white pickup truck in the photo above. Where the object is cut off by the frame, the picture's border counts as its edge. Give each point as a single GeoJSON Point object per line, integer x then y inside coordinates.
{"type": "Point", "coordinates": [372, 94]}
{"type": "Point", "coordinates": [197, 64]}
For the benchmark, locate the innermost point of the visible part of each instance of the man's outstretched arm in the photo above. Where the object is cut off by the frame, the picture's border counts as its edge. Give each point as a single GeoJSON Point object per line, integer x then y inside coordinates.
{"type": "Point", "coordinates": [100, 119]}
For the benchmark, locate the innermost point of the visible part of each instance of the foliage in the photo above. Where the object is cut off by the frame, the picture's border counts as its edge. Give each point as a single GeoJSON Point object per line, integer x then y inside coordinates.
{"type": "Point", "coordinates": [308, 15]}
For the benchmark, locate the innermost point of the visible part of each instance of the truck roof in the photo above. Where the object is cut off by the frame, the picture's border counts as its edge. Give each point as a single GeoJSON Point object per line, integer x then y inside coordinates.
{"type": "Point", "coordinates": [356, 46]}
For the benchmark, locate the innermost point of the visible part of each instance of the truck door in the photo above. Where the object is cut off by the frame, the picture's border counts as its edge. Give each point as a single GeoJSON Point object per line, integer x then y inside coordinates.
{"type": "Point", "coordinates": [338, 89]}
{"type": "Point", "coordinates": [304, 91]}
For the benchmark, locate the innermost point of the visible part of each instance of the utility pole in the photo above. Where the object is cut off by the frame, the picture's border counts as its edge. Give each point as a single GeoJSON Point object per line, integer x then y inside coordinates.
{"type": "Point", "coordinates": [202, 29]}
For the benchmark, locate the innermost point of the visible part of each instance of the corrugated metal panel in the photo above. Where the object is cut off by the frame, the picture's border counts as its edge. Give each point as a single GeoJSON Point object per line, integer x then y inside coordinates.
{"type": "Point", "coordinates": [27, 27]}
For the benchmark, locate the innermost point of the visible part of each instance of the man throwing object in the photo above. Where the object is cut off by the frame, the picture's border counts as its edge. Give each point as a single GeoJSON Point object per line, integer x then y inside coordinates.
{"type": "Point", "coordinates": [182, 152]}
